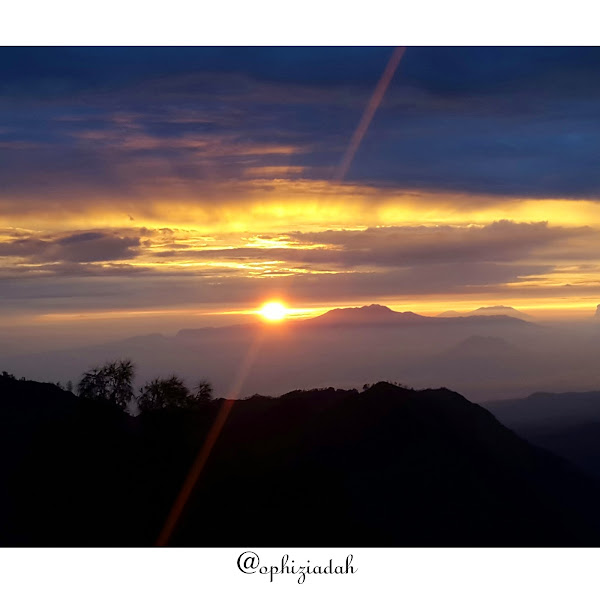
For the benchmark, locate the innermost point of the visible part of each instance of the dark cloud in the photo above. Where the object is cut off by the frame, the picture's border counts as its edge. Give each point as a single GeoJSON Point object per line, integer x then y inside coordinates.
{"type": "Point", "coordinates": [92, 247]}
{"type": "Point", "coordinates": [87, 247]}
{"type": "Point", "coordinates": [512, 121]}
{"type": "Point", "coordinates": [501, 241]}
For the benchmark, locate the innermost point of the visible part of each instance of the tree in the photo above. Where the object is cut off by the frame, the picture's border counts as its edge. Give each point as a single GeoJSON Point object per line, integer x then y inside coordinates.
{"type": "Point", "coordinates": [204, 391]}
{"type": "Point", "coordinates": [164, 393]}
{"type": "Point", "coordinates": [172, 393]}
{"type": "Point", "coordinates": [110, 383]}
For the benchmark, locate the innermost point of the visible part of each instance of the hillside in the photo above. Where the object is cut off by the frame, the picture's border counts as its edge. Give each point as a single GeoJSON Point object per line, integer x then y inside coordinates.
{"type": "Point", "coordinates": [388, 466]}
{"type": "Point", "coordinates": [385, 467]}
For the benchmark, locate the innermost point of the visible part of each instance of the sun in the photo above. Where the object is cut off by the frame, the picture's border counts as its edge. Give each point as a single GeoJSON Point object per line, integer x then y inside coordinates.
{"type": "Point", "coordinates": [273, 311]}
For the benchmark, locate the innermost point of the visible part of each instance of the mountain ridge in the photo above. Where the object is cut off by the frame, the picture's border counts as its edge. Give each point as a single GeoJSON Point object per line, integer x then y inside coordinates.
{"type": "Point", "coordinates": [388, 466]}
{"type": "Point", "coordinates": [371, 315]}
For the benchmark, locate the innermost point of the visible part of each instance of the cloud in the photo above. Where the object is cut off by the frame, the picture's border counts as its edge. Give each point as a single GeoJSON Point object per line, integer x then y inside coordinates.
{"type": "Point", "coordinates": [156, 252]}
{"type": "Point", "coordinates": [480, 121]}
{"type": "Point", "coordinates": [501, 241]}
{"type": "Point", "coordinates": [173, 267]}
{"type": "Point", "coordinates": [86, 247]}
{"type": "Point", "coordinates": [230, 151]}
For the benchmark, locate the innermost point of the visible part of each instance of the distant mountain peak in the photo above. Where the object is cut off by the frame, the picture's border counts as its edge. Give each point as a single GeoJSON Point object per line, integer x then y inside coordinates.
{"type": "Point", "coordinates": [500, 310]}
{"type": "Point", "coordinates": [488, 311]}
{"type": "Point", "coordinates": [497, 306]}
{"type": "Point", "coordinates": [368, 314]}
{"type": "Point", "coordinates": [367, 309]}
{"type": "Point", "coordinates": [449, 314]}
{"type": "Point", "coordinates": [377, 308]}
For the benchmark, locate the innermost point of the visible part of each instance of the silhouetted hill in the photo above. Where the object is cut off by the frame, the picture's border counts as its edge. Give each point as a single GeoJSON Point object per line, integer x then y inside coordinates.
{"type": "Point", "coordinates": [388, 466]}
{"type": "Point", "coordinates": [66, 467]}
{"type": "Point", "coordinates": [26, 409]}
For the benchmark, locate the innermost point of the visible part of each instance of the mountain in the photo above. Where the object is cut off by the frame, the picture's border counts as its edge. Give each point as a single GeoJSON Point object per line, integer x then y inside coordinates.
{"type": "Point", "coordinates": [544, 409]}
{"type": "Point", "coordinates": [372, 315]}
{"type": "Point", "coordinates": [375, 314]}
{"type": "Point", "coordinates": [67, 469]}
{"type": "Point", "coordinates": [477, 345]}
{"type": "Point", "coordinates": [326, 350]}
{"type": "Point", "coordinates": [597, 315]}
{"type": "Point", "coordinates": [477, 358]}
{"type": "Point", "coordinates": [507, 311]}
{"type": "Point", "coordinates": [388, 466]}
{"type": "Point", "coordinates": [450, 313]}
{"type": "Point", "coordinates": [579, 444]}
{"type": "Point", "coordinates": [567, 424]}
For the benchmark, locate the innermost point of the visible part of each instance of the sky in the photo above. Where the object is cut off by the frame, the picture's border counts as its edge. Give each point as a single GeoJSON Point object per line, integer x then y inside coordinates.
{"type": "Point", "coordinates": [170, 185]}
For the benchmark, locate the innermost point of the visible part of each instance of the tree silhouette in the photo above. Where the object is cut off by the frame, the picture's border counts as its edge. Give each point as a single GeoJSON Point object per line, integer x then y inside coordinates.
{"type": "Point", "coordinates": [172, 393]}
{"type": "Point", "coordinates": [204, 392]}
{"type": "Point", "coordinates": [110, 383]}
{"type": "Point", "coordinates": [113, 383]}
{"type": "Point", "coordinates": [164, 393]}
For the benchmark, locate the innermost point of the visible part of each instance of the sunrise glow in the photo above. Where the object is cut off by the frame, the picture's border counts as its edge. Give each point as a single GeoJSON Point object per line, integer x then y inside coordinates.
{"type": "Point", "coordinates": [225, 211]}
{"type": "Point", "coordinates": [273, 311]}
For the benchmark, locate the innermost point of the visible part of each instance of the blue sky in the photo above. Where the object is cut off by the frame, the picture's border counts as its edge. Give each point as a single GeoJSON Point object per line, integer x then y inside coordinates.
{"type": "Point", "coordinates": [491, 120]}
